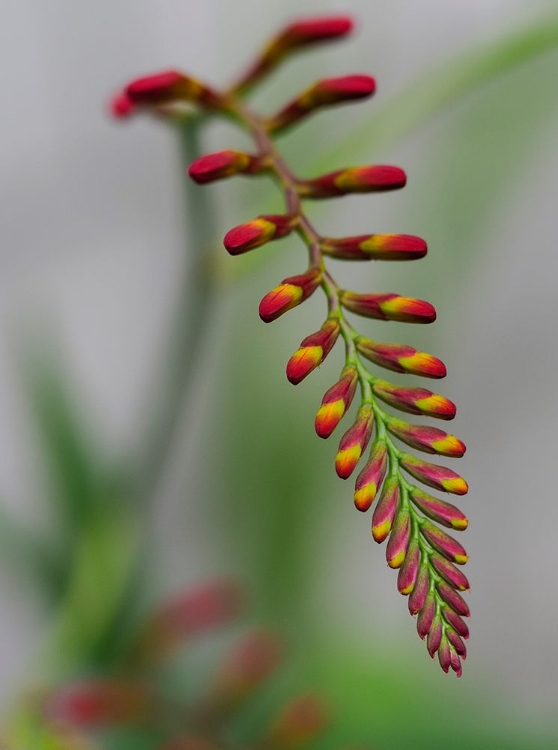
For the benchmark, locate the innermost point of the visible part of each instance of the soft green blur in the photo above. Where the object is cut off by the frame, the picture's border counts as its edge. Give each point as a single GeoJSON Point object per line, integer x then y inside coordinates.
{"type": "Point", "coordinates": [274, 514]}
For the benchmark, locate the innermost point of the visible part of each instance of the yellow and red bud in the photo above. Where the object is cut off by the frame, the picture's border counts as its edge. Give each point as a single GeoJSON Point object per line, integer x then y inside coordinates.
{"type": "Point", "coordinates": [426, 616]}
{"type": "Point", "coordinates": [371, 477]}
{"type": "Point", "coordinates": [301, 721]}
{"type": "Point", "coordinates": [169, 87]}
{"type": "Point", "coordinates": [385, 510]}
{"type": "Point", "coordinates": [99, 702]}
{"type": "Point", "coordinates": [453, 599]}
{"type": "Point", "coordinates": [373, 179]}
{"type": "Point", "coordinates": [324, 93]}
{"type": "Point", "coordinates": [459, 625]}
{"type": "Point", "coordinates": [257, 232]}
{"type": "Point", "coordinates": [427, 439]}
{"type": "Point", "coordinates": [414, 400]}
{"type": "Point", "coordinates": [419, 593]}
{"type": "Point", "coordinates": [401, 358]}
{"type": "Point", "coordinates": [313, 350]}
{"type": "Point", "coordinates": [354, 442]}
{"type": "Point", "coordinates": [296, 36]}
{"type": "Point", "coordinates": [224, 164]}
{"type": "Point", "coordinates": [408, 572]}
{"type": "Point", "coordinates": [448, 571]}
{"type": "Point", "coordinates": [398, 543]}
{"type": "Point", "coordinates": [434, 636]}
{"type": "Point", "coordinates": [388, 307]}
{"type": "Point", "coordinates": [375, 247]}
{"type": "Point", "coordinates": [439, 510]}
{"type": "Point", "coordinates": [336, 402]}
{"type": "Point", "coordinates": [290, 293]}
{"type": "Point", "coordinates": [434, 475]}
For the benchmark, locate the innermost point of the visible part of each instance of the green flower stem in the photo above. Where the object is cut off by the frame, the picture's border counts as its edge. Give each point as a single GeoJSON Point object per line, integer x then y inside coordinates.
{"type": "Point", "coordinates": [191, 319]}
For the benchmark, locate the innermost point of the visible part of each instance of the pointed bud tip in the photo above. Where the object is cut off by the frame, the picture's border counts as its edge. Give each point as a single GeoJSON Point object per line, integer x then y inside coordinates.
{"type": "Point", "coordinates": [320, 28]}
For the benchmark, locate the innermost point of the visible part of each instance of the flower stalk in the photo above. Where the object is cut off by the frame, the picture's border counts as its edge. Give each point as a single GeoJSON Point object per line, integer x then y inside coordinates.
{"type": "Point", "coordinates": [424, 555]}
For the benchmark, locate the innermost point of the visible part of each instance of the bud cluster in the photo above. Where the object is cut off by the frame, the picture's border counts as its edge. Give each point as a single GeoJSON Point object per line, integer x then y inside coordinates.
{"type": "Point", "coordinates": [135, 698]}
{"type": "Point", "coordinates": [425, 556]}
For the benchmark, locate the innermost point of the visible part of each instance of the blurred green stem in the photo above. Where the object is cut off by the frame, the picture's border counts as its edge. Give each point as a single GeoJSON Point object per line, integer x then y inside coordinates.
{"type": "Point", "coordinates": [192, 317]}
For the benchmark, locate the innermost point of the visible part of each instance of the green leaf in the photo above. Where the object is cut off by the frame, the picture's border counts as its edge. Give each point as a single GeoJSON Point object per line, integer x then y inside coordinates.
{"type": "Point", "coordinates": [443, 86]}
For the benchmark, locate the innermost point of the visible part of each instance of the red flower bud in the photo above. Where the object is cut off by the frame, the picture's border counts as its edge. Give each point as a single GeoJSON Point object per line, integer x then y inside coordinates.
{"type": "Point", "coordinates": [388, 307]}
{"type": "Point", "coordinates": [457, 643]}
{"type": "Point", "coordinates": [426, 616]}
{"type": "Point", "coordinates": [371, 477]}
{"type": "Point", "coordinates": [324, 93]}
{"type": "Point", "coordinates": [398, 543]}
{"type": "Point", "coordinates": [427, 439]}
{"type": "Point", "coordinates": [375, 247]}
{"type": "Point", "coordinates": [371, 179]}
{"type": "Point", "coordinates": [448, 571]}
{"type": "Point", "coordinates": [408, 572]}
{"type": "Point", "coordinates": [451, 597]}
{"type": "Point", "coordinates": [247, 666]}
{"type": "Point", "coordinates": [168, 87]}
{"type": "Point", "coordinates": [455, 662]}
{"type": "Point", "coordinates": [354, 442]}
{"type": "Point", "coordinates": [434, 636]}
{"type": "Point", "coordinates": [459, 625]}
{"type": "Point", "coordinates": [257, 232]}
{"type": "Point", "coordinates": [439, 510]}
{"type": "Point", "coordinates": [188, 614]}
{"type": "Point", "coordinates": [444, 543]}
{"type": "Point", "coordinates": [336, 402]}
{"type": "Point", "coordinates": [385, 510]}
{"type": "Point", "coordinates": [419, 593]}
{"type": "Point", "coordinates": [296, 36]}
{"type": "Point", "coordinates": [312, 352]}
{"type": "Point", "coordinates": [122, 106]}
{"type": "Point", "coordinates": [224, 164]}
{"type": "Point", "coordinates": [433, 475]}
{"type": "Point", "coordinates": [414, 400]}
{"type": "Point", "coordinates": [444, 655]}
{"type": "Point", "coordinates": [290, 293]}
{"type": "Point", "coordinates": [401, 358]}
{"type": "Point", "coordinates": [99, 702]}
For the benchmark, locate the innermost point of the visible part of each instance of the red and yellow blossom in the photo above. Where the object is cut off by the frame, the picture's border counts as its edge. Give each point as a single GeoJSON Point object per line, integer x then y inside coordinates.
{"type": "Point", "coordinates": [313, 350]}
{"type": "Point", "coordinates": [336, 402]}
{"type": "Point", "coordinates": [290, 293]}
{"type": "Point", "coordinates": [354, 442]}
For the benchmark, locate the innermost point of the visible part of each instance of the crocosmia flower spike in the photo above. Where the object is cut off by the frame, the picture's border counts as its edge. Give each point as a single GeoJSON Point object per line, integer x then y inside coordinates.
{"type": "Point", "coordinates": [388, 478]}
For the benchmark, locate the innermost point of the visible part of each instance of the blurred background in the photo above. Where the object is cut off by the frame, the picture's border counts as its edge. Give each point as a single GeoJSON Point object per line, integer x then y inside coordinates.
{"type": "Point", "coordinates": [144, 410]}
